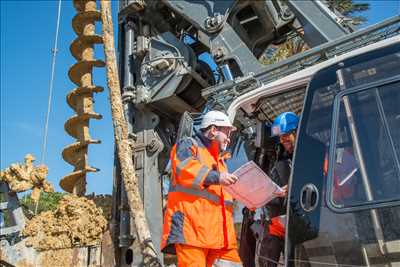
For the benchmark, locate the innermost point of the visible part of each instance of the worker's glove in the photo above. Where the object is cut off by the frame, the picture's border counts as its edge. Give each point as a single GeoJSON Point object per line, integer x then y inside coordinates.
{"type": "Point", "coordinates": [227, 178]}
{"type": "Point", "coordinates": [282, 193]}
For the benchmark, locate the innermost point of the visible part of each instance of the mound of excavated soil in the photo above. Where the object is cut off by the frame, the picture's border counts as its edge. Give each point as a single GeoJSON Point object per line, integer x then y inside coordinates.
{"type": "Point", "coordinates": [104, 202]}
{"type": "Point", "coordinates": [76, 222]}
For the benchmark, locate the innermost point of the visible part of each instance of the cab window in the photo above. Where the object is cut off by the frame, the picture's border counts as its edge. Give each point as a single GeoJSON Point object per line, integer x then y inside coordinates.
{"type": "Point", "coordinates": [365, 165]}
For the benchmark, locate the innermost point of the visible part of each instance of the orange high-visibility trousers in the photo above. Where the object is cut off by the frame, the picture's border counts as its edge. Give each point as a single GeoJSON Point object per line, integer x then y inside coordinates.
{"type": "Point", "coordinates": [201, 257]}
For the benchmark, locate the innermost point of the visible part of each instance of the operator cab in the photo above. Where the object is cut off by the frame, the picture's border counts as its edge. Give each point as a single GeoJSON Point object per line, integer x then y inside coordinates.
{"type": "Point", "coordinates": [344, 202]}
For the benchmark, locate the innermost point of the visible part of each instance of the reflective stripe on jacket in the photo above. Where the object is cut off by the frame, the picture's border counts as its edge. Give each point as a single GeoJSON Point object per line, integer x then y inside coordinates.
{"type": "Point", "coordinates": [344, 181]}
{"type": "Point", "coordinates": [199, 211]}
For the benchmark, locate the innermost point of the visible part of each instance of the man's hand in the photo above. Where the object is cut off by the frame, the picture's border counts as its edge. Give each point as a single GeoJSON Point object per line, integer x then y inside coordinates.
{"type": "Point", "coordinates": [283, 193]}
{"type": "Point", "coordinates": [227, 178]}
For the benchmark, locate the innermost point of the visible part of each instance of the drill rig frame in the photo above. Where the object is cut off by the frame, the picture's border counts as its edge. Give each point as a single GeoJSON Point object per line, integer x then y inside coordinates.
{"type": "Point", "coordinates": [177, 56]}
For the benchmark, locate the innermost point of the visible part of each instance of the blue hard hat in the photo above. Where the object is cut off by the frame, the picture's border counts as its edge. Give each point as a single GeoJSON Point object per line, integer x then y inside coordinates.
{"type": "Point", "coordinates": [284, 123]}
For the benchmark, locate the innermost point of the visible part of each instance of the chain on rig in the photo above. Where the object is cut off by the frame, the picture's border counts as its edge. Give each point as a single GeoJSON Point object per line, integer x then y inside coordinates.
{"type": "Point", "coordinates": [81, 98]}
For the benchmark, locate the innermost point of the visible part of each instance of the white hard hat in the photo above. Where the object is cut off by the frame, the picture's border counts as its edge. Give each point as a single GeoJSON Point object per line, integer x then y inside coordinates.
{"type": "Point", "coordinates": [216, 118]}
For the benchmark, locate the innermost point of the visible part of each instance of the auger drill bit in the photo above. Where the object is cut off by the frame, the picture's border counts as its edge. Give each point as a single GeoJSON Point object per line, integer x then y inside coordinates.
{"type": "Point", "coordinates": [81, 98]}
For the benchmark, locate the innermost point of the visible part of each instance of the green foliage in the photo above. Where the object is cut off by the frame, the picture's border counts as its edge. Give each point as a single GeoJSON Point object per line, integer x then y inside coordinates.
{"type": "Point", "coordinates": [349, 8]}
{"type": "Point", "coordinates": [47, 201]}
{"type": "Point", "coordinates": [2, 197]}
{"type": "Point", "coordinates": [296, 45]}
{"type": "Point", "coordinates": [285, 50]}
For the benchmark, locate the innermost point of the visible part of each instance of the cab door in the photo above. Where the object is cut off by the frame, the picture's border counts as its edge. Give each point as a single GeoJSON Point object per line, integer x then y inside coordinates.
{"type": "Point", "coordinates": [344, 201]}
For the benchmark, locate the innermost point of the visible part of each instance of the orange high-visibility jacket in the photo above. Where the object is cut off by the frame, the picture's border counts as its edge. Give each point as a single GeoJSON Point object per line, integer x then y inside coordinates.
{"type": "Point", "coordinates": [341, 191]}
{"type": "Point", "coordinates": [199, 211]}
{"type": "Point", "coordinates": [276, 227]}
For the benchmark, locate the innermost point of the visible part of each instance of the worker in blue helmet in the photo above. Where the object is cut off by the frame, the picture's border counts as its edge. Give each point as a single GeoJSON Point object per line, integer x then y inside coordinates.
{"type": "Point", "coordinates": [271, 245]}
{"type": "Point", "coordinates": [285, 126]}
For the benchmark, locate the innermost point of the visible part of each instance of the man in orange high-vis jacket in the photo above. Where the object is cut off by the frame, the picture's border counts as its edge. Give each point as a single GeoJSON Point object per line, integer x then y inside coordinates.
{"type": "Point", "coordinates": [198, 221]}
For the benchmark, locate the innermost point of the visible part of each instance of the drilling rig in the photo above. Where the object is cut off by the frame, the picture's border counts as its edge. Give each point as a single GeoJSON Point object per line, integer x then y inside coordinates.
{"type": "Point", "coordinates": [165, 50]}
{"type": "Point", "coordinates": [162, 48]}
{"type": "Point", "coordinates": [177, 56]}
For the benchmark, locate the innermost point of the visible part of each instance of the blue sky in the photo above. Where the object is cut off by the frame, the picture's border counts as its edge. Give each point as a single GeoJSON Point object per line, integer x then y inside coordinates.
{"type": "Point", "coordinates": [27, 37]}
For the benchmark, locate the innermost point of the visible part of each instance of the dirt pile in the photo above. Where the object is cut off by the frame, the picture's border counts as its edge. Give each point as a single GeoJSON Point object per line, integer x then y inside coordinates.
{"type": "Point", "coordinates": [76, 222]}
{"type": "Point", "coordinates": [24, 177]}
{"type": "Point", "coordinates": [104, 202]}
